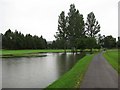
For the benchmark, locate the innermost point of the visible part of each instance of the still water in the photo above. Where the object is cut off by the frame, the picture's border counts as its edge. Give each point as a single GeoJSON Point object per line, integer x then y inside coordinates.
{"type": "Point", "coordinates": [36, 72]}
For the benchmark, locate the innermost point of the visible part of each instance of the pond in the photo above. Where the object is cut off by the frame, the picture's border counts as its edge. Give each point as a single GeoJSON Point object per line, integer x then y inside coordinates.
{"type": "Point", "coordinates": [36, 72]}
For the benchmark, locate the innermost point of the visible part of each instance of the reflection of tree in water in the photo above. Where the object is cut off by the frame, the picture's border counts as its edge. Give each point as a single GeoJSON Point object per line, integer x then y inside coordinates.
{"type": "Point", "coordinates": [66, 61]}
{"type": "Point", "coordinates": [61, 63]}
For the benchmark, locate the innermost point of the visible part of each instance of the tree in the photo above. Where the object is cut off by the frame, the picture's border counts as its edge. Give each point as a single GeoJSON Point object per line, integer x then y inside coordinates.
{"type": "Point", "coordinates": [62, 31]}
{"type": "Point", "coordinates": [100, 40]}
{"type": "Point", "coordinates": [109, 42]}
{"type": "Point", "coordinates": [82, 43]}
{"type": "Point", "coordinates": [79, 30]}
{"type": "Point", "coordinates": [92, 26]}
{"type": "Point", "coordinates": [43, 43]}
{"type": "Point", "coordinates": [91, 42]}
{"type": "Point", "coordinates": [16, 40]}
{"type": "Point", "coordinates": [75, 26]}
{"type": "Point", "coordinates": [8, 39]}
{"type": "Point", "coordinates": [71, 25]}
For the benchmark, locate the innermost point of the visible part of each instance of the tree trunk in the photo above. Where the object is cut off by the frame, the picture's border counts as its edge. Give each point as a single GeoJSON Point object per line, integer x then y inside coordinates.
{"type": "Point", "coordinates": [65, 48]}
{"type": "Point", "coordinates": [76, 51]}
{"type": "Point", "coordinates": [91, 51]}
{"type": "Point", "coordinates": [73, 50]}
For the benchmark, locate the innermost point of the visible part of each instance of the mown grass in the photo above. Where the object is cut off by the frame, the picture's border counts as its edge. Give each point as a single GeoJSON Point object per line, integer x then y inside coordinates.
{"type": "Point", "coordinates": [113, 59]}
{"type": "Point", "coordinates": [28, 53]}
{"type": "Point", "coordinates": [73, 78]}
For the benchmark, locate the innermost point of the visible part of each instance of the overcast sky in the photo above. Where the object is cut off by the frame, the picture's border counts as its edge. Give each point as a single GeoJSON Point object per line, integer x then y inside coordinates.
{"type": "Point", "coordinates": [40, 17]}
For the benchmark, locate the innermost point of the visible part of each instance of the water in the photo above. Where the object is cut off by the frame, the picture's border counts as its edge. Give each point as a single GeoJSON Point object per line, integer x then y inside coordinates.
{"type": "Point", "coordinates": [37, 72]}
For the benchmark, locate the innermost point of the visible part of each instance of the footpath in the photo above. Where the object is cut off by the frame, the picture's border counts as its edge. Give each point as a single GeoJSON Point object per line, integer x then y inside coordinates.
{"type": "Point", "coordinates": [100, 74]}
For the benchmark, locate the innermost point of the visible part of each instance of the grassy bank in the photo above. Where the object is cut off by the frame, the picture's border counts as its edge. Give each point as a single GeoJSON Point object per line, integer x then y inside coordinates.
{"type": "Point", "coordinates": [112, 58]}
{"type": "Point", "coordinates": [5, 52]}
{"type": "Point", "coordinates": [26, 53]}
{"type": "Point", "coordinates": [73, 78]}
{"type": "Point", "coordinates": [31, 53]}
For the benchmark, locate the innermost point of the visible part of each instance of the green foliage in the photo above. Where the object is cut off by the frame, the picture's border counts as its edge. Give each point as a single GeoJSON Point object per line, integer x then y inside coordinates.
{"type": "Point", "coordinates": [109, 42]}
{"type": "Point", "coordinates": [61, 35]}
{"type": "Point", "coordinates": [92, 25]}
{"type": "Point", "coordinates": [74, 33]}
{"type": "Point", "coordinates": [75, 26]}
{"type": "Point", "coordinates": [70, 28]}
{"type": "Point", "coordinates": [62, 31]}
{"type": "Point", "coordinates": [58, 44]}
{"type": "Point", "coordinates": [92, 28]}
{"type": "Point", "coordinates": [100, 40]}
{"type": "Point", "coordinates": [82, 43]}
{"type": "Point", "coordinates": [73, 78]}
{"type": "Point", "coordinates": [91, 42]}
{"type": "Point", "coordinates": [16, 40]}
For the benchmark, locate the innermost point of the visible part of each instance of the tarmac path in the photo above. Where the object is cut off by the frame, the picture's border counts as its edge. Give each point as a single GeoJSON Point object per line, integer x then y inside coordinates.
{"type": "Point", "coordinates": [100, 74]}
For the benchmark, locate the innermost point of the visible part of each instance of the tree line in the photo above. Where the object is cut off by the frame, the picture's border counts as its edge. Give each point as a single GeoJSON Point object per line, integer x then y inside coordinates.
{"type": "Point", "coordinates": [72, 33]}
{"type": "Point", "coordinates": [17, 40]}
{"type": "Point", "coordinates": [72, 29]}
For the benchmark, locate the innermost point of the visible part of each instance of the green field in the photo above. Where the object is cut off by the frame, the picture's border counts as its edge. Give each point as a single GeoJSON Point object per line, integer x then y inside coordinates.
{"type": "Point", "coordinates": [25, 53]}
{"type": "Point", "coordinates": [29, 53]}
{"type": "Point", "coordinates": [73, 78]}
{"type": "Point", "coordinates": [112, 57]}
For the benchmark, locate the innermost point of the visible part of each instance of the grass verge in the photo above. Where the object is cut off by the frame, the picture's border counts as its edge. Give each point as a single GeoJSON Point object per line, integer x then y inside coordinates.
{"type": "Point", "coordinates": [112, 58]}
{"type": "Point", "coordinates": [73, 78]}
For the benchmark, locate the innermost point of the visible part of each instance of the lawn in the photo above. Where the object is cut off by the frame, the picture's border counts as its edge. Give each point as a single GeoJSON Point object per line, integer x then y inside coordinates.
{"type": "Point", "coordinates": [28, 53]}
{"type": "Point", "coordinates": [24, 53]}
{"type": "Point", "coordinates": [113, 59]}
{"type": "Point", "coordinates": [74, 77]}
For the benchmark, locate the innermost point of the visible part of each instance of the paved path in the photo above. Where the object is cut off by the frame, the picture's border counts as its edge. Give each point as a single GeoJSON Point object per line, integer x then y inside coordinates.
{"type": "Point", "coordinates": [100, 74]}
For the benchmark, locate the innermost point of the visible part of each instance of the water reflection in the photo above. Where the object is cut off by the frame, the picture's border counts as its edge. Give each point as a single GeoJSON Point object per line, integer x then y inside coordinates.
{"type": "Point", "coordinates": [36, 72]}
{"type": "Point", "coordinates": [65, 62]}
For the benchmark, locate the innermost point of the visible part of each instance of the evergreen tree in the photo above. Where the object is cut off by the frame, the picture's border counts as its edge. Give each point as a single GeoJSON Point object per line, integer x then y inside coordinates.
{"type": "Point", "coordinates": [16, 40]}
{"type": "Point", "coordinates": [75, 26]}
{"type": "Point", "coordinates": [62, 30]}
{"type": "Point", "coordinates": [92, 27]}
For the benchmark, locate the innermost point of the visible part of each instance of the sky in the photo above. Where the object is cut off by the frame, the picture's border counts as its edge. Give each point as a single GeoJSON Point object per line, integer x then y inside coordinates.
{"type": "Point", "coordinates": [40, 17]}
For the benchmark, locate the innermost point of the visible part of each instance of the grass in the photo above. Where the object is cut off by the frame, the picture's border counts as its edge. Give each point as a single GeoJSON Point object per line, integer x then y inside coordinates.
{"type": "Point", "coordinates": [30, 53]}
{"type": "Point", "coordinates": [26, 53]}
{"type": "Point", "coordinates": [112, 58]}
{"type": "Point", "coordinates": [73, 78]}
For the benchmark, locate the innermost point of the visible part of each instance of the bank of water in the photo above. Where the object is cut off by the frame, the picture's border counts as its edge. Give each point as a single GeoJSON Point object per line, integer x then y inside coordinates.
{"type": "Point", "coordinates": [36, 72]}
